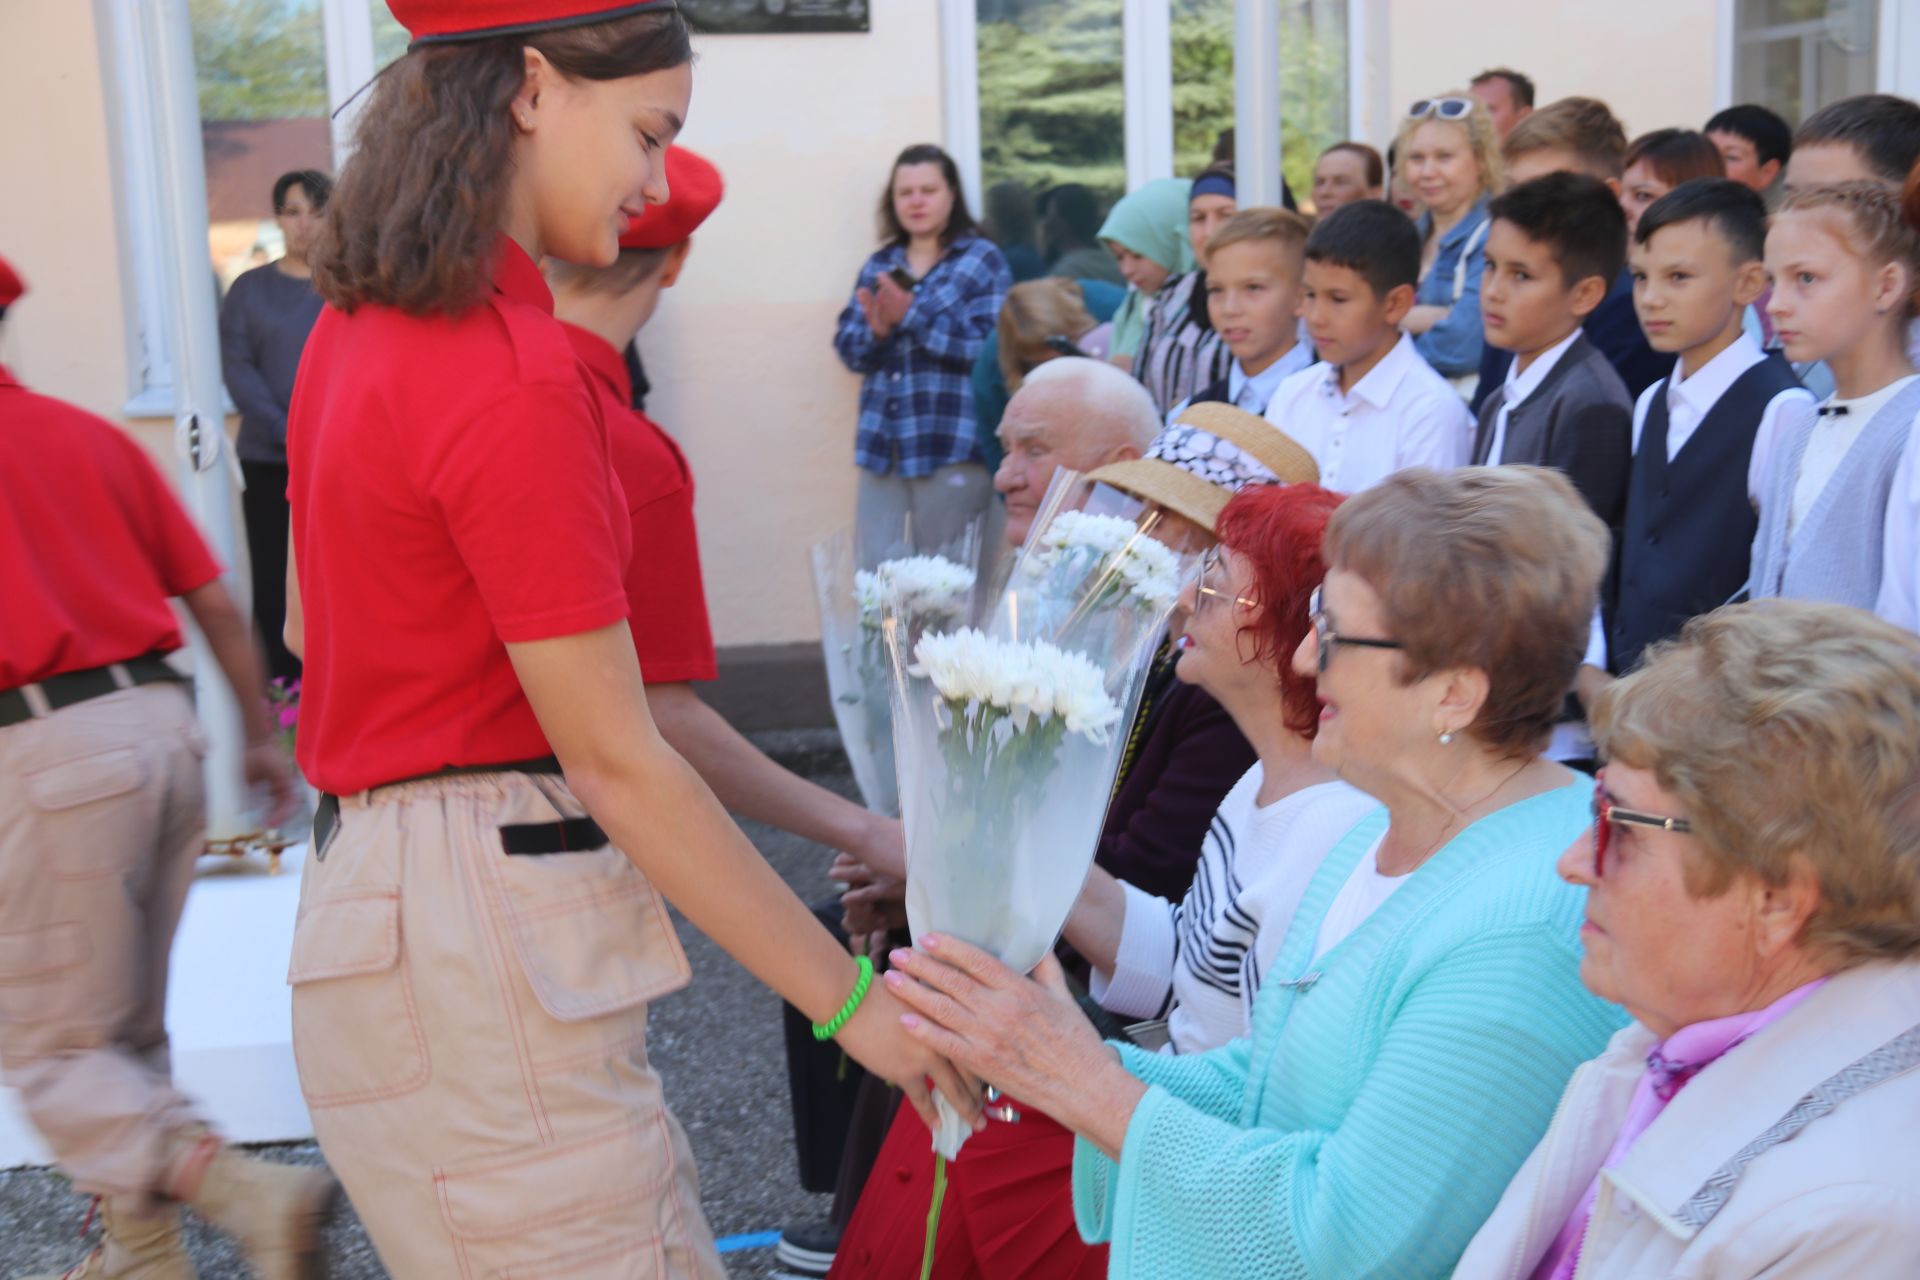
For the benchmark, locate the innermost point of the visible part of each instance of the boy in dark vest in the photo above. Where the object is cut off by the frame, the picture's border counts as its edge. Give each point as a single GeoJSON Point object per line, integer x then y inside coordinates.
{"type": "Point", "coordinates": [1703, 435]}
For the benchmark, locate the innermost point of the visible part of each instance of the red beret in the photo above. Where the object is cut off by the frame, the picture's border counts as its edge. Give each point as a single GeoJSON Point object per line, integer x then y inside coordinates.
{"type": "Point", "coordinates": [693, 190]}
{"type": "Point", "coordinates": [11, 285]}
{"type": "Point", "coordinates": [447, 21]}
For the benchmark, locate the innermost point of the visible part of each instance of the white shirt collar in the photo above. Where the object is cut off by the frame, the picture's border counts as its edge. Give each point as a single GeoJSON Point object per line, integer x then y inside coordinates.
{"type": "Point", "coordinates": [1268, 380]}
{"type": "Point", "coordinates": [1703, 390]}
{"type": "Point", "coordinates": [1381, 381]}
{"type": "Point", "coordinates": [1521, 385]}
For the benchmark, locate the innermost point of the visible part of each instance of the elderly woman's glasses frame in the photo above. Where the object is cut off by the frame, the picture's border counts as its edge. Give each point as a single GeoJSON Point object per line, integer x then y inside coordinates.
{"type": "Point", "coordinates": [1607, 815]}
{"type": "Point", "coordinates": [1326, 639]}
{"type": "Point", "coordinates": [1209, 569]}
{"type": "Point", "coordinates": [1445, 108]}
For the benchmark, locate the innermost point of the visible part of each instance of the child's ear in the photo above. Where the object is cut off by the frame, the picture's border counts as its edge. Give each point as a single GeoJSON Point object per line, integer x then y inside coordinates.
{"type": "Point", "coordinates": [1397, 303]}
{"type": "Point", "coordinates": [676, 259]}
{"type": "Point", "coordinates": [1892, 288]}
{"type": "Point", "coordinates": [1769, 171]}
{"type": "Point", "coordinates": [1588, 293]}
{"type": "Point", "coordinates": [1613, 185]}
{"type": "Point", "coordinates": [1749, 283]}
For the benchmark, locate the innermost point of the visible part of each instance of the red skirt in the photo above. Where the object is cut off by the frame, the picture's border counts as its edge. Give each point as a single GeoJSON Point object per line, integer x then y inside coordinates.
{"type": "Point", "coordinates": [1008, 1212]}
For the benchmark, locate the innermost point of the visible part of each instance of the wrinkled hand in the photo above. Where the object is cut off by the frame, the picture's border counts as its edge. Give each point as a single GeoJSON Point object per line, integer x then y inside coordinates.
{"type": "Point", "coordinates": [1025, 1036]}
{"type": "Point", "coordinates": [265, 765]}
{"type": "Point", "coordinates": [875, 907]}
{"type": "Point", "coordinates": [877, 1039]}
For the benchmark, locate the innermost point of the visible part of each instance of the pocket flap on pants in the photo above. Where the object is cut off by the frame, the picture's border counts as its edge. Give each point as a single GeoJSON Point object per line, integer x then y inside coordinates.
{"type": "Point", "coordinates": [611, 948]}
{"type": "Point", "coordinates": [35, 954]}
{"type": "Point", "coordinates": [355, 933]}
{"type": "Point", "coordinates": [511, 1195]}
{"type": "Point", "coordinates": [96, 777]}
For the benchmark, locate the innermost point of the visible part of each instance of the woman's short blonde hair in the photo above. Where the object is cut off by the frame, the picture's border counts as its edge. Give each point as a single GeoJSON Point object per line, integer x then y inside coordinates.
{"type": "Point", "coordinates": [1034, 311]}
{"type": "Point", "coordinates": [1488, 568]}
{"type": "Point", "coordinates": [1790, 734]}
{"type": "Point", "coordinates": [1482, 139]}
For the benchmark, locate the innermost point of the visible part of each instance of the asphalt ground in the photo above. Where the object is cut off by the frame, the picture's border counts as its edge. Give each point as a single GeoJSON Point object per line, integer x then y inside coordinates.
{"type": "Point", "coordinates": [717, 1044]}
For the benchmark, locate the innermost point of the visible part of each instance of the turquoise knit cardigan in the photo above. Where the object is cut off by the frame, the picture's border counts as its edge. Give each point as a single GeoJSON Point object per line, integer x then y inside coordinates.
{"type": "Point", "coordinates": [1387, 1094]}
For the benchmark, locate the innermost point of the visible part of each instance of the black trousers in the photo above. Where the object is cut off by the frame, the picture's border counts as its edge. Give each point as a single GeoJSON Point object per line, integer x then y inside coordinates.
{"type": "Point", "coordinates": [264, 508]}
{"type": "Point", "coordinates": [823, 1083]}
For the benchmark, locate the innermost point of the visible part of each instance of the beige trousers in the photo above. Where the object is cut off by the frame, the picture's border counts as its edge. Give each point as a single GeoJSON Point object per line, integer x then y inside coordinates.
{"type": "Point", "coordinates": [470, 1027]}
{"type": "Point", "coordinates": [102, 815]}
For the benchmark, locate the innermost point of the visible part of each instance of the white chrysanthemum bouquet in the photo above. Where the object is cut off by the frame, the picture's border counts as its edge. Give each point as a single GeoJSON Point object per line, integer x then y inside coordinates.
{"type": "Point", "coordinates": [925, 591]}
{"type": "Point", "coordinates": [1008, 737]}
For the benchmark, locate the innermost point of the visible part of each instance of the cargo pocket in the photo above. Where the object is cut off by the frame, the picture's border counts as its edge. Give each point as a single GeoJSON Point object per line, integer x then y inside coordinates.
{"type": "Point", "coordinates": [33, 963]}
{"type": "Point", "coordinates": [591, 935]}
{"type": "Point", "coordinates": [96, 837]}
{"type": "Point", "coordinates": [591, 1209]}
{"type": "Point", "coordinates": [356, 1035]}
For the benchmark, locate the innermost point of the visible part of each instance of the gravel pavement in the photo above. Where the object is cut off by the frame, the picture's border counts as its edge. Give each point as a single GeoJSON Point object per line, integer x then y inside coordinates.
{"type": "Point", "coordinates": [717, 1044]}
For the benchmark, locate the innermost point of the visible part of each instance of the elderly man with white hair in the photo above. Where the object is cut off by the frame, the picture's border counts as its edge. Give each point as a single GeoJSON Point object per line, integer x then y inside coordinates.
{"type": "Point", "coordinates": [1074, 413]}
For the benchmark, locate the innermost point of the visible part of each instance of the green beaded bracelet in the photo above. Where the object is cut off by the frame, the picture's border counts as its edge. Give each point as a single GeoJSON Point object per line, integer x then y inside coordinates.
{"type": "Point", "coordinates": [828, 1030]}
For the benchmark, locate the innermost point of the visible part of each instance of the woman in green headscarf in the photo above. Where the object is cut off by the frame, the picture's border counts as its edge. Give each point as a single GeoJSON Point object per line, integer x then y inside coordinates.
{"type": "Point", "coordinates": [1147, 234]}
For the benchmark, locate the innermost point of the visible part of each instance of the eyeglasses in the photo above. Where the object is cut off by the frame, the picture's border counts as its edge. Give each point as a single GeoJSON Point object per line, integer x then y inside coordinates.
{"type": "Point", "coordinates": [1209, 569]}
{"type": "Point", "coordinates": [1445, 108]}
{"type": "Point", "coordinates": [1326, 639]}
{"type": "Point", "coordinates": [1061, 345]}
{"type": "Point", "coordinates": [1607, 815]}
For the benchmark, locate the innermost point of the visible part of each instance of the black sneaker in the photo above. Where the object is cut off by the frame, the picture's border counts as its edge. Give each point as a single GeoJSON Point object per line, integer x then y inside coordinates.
{"type": "Point", "coordinates": [807, 1248]}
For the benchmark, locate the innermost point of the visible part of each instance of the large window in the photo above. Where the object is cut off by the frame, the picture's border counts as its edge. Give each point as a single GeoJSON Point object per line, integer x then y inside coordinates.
{"type": "Point", "coordinates": [1052, 127]}
{"type": "Point", "coordinates": [1796, 56]}
{"type": "Point", "coordinates": [1313, 82]}
{"type": "Point", "coordinates": [261, 71]}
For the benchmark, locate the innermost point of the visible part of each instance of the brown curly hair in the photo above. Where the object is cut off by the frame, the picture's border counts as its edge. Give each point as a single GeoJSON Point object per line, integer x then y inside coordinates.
{"type": "Point", "coordinates": [413, 217]}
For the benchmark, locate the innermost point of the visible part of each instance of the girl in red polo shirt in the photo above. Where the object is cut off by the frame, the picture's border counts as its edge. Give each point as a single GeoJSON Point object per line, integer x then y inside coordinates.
{"type": "Point", "coordinates": [474, 952]}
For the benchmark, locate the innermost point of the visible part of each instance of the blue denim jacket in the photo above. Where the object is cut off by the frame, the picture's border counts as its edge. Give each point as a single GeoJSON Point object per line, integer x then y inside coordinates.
{"type": "Point", "coordinates": [1453, 346]}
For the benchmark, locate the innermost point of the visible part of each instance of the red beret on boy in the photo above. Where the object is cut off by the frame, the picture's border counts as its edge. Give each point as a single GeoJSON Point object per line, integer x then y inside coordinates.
{"type": "Point", "coordinates": [12, 287]}
{"type": "Point", "coordinates": [693, 191]}
{"type": "Point", "coordinates": [448, 21]}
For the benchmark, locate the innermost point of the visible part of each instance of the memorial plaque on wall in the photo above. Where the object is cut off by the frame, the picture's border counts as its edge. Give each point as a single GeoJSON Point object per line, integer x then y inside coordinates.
{"type": "Point", "coordinates": [757, 17]}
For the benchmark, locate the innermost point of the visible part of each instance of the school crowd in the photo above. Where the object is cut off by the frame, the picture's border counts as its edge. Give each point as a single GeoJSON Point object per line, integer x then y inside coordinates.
{"type": "Point", "coordinates": [1514, 867]}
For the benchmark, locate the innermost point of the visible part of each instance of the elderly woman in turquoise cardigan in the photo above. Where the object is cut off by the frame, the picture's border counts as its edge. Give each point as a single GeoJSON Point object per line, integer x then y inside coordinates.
{"type": "Point", "coordinates": [1426, 1009]}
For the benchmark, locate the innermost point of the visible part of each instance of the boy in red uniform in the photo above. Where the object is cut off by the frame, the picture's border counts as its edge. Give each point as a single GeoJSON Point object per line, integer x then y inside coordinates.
{"type": "Point", "coordinates": [102, 815]}
{"type": "Point", "coordinates": [603, 308]}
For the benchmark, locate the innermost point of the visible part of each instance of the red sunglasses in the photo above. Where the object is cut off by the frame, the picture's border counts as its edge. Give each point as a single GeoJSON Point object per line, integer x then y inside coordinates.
{"type": "Point", "coordinates": [1606, 814]}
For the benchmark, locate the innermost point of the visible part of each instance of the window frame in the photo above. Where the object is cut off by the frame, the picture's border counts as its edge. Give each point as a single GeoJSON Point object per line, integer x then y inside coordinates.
{"type": "Point", "coordinates": [131, 56]}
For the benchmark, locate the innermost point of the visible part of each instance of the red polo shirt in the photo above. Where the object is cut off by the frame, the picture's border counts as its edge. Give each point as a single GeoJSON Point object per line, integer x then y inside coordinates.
{"type": "Point", "coordinates": [666, 601]}
{"type": "Point", "coordinates": [92, 543]}
{"type": "Point", "coordinates": [452, 493]}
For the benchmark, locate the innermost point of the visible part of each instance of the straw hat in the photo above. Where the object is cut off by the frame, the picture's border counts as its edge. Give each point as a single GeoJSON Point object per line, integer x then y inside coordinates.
{"type": "Point", "coordinates": [1209, 453]}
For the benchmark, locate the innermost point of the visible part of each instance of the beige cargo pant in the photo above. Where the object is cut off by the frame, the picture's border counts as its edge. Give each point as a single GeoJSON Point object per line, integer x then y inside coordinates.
{"type": "Point", "coordinates": [470, 1028]}
{"type": "Point", "coordinates": [102, 815]}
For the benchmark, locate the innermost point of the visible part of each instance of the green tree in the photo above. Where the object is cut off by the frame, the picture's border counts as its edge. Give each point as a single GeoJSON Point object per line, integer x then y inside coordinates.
{"type": "Point", "coordinates": [259, 59]}
{"type": "Point", "coordinates": [1051, 106]}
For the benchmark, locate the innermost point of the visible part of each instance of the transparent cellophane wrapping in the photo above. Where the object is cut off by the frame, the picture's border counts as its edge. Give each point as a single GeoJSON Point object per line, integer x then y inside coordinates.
{"type": "Point", "coordinates": [848, 594]}
{"type": "Point", "coordinates": [1002, 806]}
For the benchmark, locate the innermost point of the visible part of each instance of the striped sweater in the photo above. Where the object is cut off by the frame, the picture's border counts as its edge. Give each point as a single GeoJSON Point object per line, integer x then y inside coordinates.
{"type": "Point", "coordinates": [1387, 1094]}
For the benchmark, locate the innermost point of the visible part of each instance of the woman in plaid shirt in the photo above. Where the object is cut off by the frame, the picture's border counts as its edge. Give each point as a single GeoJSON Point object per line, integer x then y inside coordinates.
{"type": "Point", "coordinates": [921, 473]}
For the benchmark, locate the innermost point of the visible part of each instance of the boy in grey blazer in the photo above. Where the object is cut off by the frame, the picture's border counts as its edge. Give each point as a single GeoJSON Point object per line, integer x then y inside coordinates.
{"type": "Point", "coordinates": [1554, 247]}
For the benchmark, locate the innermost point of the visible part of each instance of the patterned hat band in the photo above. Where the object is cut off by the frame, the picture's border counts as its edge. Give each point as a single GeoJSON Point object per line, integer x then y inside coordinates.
{"type": "Point", "coordinates": [1207, 457]}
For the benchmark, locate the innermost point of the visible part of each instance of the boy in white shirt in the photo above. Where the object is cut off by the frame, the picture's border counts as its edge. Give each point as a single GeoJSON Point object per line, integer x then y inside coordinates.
{"type": "Point", "coordinates": [1254, 261]}
{"type": "Point", "coordinates": [1371, 406]}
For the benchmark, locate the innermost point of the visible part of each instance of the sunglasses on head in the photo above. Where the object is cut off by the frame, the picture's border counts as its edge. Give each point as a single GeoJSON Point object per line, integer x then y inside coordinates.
{"type": "Point", "coordinates": [1445, 108]}
{"type": "Point", "coordinates": [1606, 815]}
{"type": "Point", "coordinates": [1061, 345]}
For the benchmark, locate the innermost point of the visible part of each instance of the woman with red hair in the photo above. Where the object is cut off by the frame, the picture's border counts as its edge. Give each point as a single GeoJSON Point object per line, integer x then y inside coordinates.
{"type": "Point", "coordinates": [1008, 1206]}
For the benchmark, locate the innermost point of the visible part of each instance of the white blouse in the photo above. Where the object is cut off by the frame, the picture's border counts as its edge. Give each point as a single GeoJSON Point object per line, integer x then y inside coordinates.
{"type": "Point", "coordinates": [1199, 963]}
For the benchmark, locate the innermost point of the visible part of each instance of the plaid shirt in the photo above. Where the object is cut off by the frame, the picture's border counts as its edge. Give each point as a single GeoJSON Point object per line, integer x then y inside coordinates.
{"type": "Point", "coordinates": [916, 402]}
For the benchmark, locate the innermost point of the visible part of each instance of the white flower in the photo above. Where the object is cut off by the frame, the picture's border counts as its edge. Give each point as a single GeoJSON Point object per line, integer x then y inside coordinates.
{"type": "Point", "coordinates": [1034, 681]}
{"type": "Point", "coordinates": [916, 585]}
{"type": "Point", "coordinates": [1150, 570]}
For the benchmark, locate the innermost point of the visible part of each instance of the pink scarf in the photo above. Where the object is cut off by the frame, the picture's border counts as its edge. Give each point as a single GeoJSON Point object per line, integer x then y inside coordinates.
{"type": "Point", "coordinates": [1670, 1065]}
